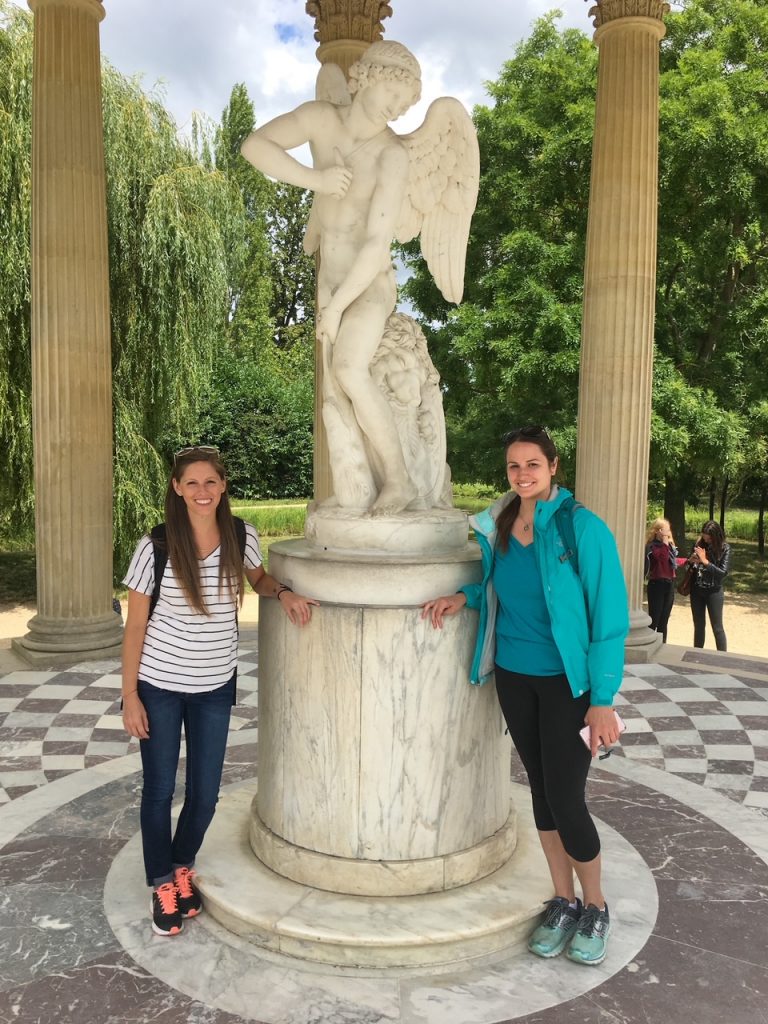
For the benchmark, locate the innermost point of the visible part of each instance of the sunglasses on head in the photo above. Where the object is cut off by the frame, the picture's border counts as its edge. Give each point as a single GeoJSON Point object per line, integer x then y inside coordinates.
{"type": "Point", "coordinates": [203, 449]}
{"type": "Point", "coordinates": [532, 433]}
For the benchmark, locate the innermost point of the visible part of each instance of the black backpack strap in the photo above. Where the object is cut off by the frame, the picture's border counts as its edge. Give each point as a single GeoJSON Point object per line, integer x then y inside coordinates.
{"type": "Point", "coordinates": [564, 522]}
{"type": "Point", "coordinates": [160, 553]}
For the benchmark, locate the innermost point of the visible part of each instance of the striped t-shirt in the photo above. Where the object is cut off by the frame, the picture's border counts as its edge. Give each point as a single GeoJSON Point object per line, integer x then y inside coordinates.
{"type": "Point", "coordinates": [184, 650]}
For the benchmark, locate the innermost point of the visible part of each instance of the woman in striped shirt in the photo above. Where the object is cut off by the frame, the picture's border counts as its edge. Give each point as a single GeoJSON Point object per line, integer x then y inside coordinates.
{"type": "Point", "coordinates": [179, 666]}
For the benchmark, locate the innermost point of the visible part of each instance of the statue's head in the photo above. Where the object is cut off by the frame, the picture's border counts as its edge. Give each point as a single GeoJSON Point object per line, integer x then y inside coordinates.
{"type": "Point", "coordinates": [388, 62]}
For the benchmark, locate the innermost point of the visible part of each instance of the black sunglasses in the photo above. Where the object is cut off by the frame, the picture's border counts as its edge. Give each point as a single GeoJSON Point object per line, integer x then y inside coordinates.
{"type": "Point", "coordinates": [532, 433]}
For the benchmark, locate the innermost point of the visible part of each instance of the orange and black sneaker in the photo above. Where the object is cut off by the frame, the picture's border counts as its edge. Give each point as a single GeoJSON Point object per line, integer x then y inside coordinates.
{"type": "Point", "coordinates": [189, 900]}
{"type": "Point", "coordinates": [166, 916]}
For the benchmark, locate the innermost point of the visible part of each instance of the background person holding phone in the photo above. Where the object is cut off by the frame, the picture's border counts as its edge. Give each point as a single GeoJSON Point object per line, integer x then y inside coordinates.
{"type": "Point", "coordinates": [711, 559]}
{"type": "Point", "coordinates": [553, 635]}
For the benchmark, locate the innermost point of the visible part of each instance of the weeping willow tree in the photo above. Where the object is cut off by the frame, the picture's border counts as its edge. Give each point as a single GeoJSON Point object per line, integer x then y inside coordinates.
{"type": "Point", "coordinates": [175, 241]}
{"type": "Point", "coordinates": [176, 230]}
{"type": "Point", "coordinates": [16, 467]}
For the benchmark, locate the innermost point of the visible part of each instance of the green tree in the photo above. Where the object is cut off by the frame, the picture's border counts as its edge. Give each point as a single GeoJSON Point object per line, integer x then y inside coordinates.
{"type": "Point", "coordinates": [292, 271]}
{"type": "Point", "coordinates": [251, 291]}
{"type": "Point", "coordinates": [510, 353]}
{"type": "Point", "coordinates": [16, 484]}
{"type": "Point", "coordinates": [258, 404]}
{"type": "Point", "coordinates": [712, 304]}
{"type": "Point", "coordinates": [258, 412]}
{"type": "Point", "coordinates": [175, 242]}
{"type": "Point", "coordinates": [176, 232]}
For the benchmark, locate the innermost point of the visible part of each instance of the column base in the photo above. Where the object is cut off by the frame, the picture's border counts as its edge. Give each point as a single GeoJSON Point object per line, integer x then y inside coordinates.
{"type": "Point", "coordinates": [486, 916]}
{"type": "Point", "coordinates": [57, 643]}
{"type": "Point", "coordinates": [642, 644]}
{"type": "Point", "coordinates": [359, 877]}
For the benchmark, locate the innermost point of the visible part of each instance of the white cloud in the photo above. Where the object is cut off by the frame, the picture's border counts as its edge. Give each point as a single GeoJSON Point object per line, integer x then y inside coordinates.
{"type": "Point", "coordinates": [199, 49]}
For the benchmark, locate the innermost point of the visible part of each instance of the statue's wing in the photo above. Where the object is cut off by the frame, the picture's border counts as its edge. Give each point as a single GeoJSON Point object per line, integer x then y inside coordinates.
{"type": "Point", "coordinates": [331, 86]}
{"type": "Point", "coordinates": [443, 179]}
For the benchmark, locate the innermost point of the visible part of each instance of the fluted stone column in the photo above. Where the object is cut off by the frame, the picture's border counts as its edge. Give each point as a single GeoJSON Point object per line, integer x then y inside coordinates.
{"type": "Point", "coordinates": [344, 29]}
{"type": "Point", "coordinates": [71, 367]}
{"type": "Point", "coordinates": [620, 289]}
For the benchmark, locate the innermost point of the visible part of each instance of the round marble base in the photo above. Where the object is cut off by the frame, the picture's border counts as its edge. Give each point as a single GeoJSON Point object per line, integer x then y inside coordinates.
{"type": "Point", "coordinates": [225, 972]}
{"type": "Point", "coordinates": [382, 877]}
{"type": "Point", "coordinates": [375, 580]}
{"type": "Point", "coordinates": [433, 531]}
{"type": "Point", "coordinates": [270, 911]}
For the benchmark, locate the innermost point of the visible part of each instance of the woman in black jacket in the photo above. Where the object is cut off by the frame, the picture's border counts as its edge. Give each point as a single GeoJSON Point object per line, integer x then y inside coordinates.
{"type": "Point", "coordinates": [711, 557]}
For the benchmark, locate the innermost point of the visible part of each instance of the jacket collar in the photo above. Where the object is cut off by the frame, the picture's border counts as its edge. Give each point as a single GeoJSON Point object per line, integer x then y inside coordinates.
{"type": "Point", "coordinates": [485, 522]}
{"type": "Point", "coordinates": [546, 509]}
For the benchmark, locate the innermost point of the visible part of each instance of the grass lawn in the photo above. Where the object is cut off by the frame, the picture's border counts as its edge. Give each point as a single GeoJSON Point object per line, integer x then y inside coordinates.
{"type": "Point", "coordinates": [279, 520]}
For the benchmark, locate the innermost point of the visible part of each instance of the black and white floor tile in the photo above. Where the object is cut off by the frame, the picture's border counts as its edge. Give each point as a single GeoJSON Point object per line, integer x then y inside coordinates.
{"type": "Point", "coordinates": [687, 796]}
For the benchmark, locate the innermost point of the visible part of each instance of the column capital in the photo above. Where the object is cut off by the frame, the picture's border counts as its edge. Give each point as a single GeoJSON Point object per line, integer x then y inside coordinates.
{"type": "Point", "coordinates": [359, 20]}
{"type": "Point", "coordinates": [93, 7]}
{"type": "Point", "coordinates": [606, 11]}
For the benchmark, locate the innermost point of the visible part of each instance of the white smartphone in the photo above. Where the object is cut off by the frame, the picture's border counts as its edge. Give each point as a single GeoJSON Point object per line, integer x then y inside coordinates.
{"type": "Point", "coordinates": [586, 732]}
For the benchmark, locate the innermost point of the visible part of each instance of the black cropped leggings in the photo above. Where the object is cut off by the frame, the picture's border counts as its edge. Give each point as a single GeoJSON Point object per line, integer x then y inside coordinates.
{"type": "Point", "coordinates": [544, 719]}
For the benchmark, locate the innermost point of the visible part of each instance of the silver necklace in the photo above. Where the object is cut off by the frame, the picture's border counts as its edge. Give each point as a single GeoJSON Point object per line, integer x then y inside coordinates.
{"type": "Point", "coordinates": [526, 526]}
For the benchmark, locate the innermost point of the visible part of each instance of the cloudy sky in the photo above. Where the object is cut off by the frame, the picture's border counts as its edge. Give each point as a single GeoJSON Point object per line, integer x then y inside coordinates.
{"type": "Point", "coordinates": [198, 49]}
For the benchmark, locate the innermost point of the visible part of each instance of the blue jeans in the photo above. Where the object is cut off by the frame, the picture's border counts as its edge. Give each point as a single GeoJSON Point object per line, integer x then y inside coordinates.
{"type": "Point", "coordinates": [206, 724]}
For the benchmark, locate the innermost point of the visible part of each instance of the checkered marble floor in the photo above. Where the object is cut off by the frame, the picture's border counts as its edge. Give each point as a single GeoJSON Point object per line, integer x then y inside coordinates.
{"type": "Point", "coordinates": [706, 726]}
{"type": "Point", "coordinates": [59, 722]}
{"type": "Point", "coordinates": [682, 809]}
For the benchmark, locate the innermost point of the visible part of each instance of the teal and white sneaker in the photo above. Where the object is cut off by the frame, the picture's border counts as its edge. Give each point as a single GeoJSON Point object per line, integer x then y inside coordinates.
{"type": "Point", "coordinates": [558, 925]}
{"type": "Point", "coordinates": [591, 938]}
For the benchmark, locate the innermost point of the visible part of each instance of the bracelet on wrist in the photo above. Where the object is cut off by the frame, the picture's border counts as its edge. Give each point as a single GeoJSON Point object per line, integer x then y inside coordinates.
{"type": "Point", "coordinates": [282, 589]}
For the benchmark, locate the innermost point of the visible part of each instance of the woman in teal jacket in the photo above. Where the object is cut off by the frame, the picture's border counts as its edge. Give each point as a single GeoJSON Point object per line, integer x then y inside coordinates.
{"type": "Point", "coordinates": [552, 627]}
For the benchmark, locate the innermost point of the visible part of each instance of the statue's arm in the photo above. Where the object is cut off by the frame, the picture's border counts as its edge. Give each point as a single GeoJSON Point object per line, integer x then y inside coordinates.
{"type": "Point", "coordinates": [267, 149]}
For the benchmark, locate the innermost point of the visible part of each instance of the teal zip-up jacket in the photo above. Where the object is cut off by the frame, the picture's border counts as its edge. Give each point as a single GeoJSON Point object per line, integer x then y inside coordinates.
{"type": "Point", "coordinates": [589, 612]}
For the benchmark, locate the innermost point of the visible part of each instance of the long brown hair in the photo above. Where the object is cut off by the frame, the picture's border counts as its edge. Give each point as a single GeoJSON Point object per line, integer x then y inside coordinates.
{"type": "Point", "coordinates": [535, 435]}
{"type": "Point", "coordinates": [180, 539]}
{"type": "Point", "coordinates": [716, 536]}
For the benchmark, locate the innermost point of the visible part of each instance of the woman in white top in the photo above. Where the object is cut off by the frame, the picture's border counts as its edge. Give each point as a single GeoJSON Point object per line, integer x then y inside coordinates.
{"type": "Point", "coordinates": [179, 667]}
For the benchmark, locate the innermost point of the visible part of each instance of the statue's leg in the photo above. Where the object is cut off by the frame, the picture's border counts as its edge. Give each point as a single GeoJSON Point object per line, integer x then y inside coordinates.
{"type": "Point", "coordinates": [359, 335]}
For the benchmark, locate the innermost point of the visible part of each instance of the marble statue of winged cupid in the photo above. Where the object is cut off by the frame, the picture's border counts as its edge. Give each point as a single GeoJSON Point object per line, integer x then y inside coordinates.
{"type": "Point", "coordinates": [371, 187]}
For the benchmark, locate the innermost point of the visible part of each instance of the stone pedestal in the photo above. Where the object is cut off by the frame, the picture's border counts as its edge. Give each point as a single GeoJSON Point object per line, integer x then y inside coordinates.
{"type": "Point", "coordinates": [381, 771]}
{"type": "Point", "coordinates": [71, 359]}
{"type": "Point", "coordinates": [614, 415]}
{"type": "Point", "coordinates": [492, 914]}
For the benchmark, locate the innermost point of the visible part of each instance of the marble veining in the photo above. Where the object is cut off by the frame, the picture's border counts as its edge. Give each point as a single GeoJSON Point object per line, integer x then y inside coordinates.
{"type": "Point", "coordinates": [705, 845]}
